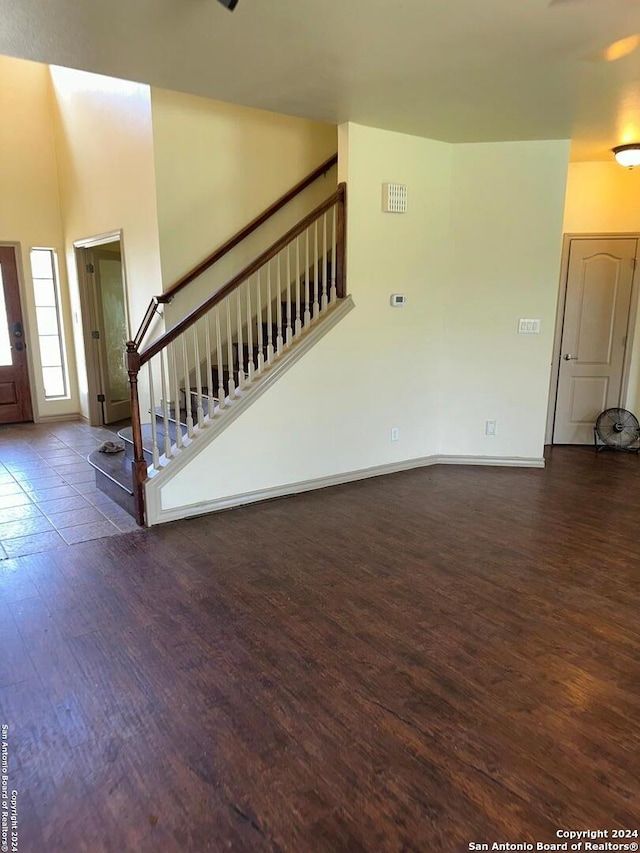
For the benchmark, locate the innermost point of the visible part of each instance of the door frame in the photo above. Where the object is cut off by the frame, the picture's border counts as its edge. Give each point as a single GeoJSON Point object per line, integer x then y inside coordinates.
{"type": "Point", "coordinates": [559, 324]}
{"type": "Point", "coordinates": [81, 249]}
{"type": "Point", "coordinates": [25, 305]}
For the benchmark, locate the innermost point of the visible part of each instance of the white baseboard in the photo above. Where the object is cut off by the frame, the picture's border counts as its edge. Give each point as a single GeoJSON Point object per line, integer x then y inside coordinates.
{"type": "Point", "coordinates": [55, 419]}
{"type": "Point", "coordinates": [157, 515]}
{"type": "Point", "coordinates": [495, 461]}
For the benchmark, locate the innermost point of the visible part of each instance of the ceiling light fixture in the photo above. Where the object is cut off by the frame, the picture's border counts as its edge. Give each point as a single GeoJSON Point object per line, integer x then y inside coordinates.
{"type": "Point", "coordinates": [229, 4]}
{"type": "Point", "coordinates": [628, 155]}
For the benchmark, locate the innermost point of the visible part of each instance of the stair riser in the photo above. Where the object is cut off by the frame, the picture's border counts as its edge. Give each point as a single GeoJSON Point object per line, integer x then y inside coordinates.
{"type": "Point", "coordinates": [129, 453]}
{"type": "Point", "coordinates": [116, 493]}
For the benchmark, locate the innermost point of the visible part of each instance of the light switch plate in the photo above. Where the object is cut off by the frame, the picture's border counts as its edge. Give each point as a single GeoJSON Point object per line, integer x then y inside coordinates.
{"type": "Point", "coordinates": [529, 327]}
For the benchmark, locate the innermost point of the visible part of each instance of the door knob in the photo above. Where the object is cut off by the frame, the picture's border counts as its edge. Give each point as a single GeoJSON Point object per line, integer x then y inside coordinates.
{"type": "Point", "coordinates": [568, 357]}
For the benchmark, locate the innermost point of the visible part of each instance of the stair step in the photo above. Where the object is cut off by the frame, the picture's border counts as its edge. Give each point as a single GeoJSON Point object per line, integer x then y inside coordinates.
{"type": "Point", "coordinates": [147, 440]}
{"type": "Point", "coordinates": [114, 477]}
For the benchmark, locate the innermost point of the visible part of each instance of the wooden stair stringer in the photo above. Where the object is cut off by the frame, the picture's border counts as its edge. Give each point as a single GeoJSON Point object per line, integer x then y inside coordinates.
{"type": "Point", "coordinates": [223, 418]}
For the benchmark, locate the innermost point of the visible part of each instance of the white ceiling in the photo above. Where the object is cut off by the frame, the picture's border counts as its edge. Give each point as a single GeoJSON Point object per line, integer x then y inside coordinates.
{"type": "Point", "coordinates": [456, 70]}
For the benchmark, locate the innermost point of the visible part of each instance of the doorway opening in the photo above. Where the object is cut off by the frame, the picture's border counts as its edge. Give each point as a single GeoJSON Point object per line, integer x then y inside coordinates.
{"type": "Point", "coordinates": [597, 309]}
{"type": "Point", "coordinates": [15, 390]}
{"type": "Point", "coordinates": [106, 329]}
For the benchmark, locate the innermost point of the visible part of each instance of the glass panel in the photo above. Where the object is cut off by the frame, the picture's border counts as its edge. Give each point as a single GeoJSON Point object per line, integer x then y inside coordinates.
{"type": "Point", "coordinates": [115, 328]}
{"type": "Point", "coordinates": [5, 345]}
{"type": "Point", "coordinates": [45, 292]}
{"type": "Point", "coordinates": [47, 321]}
{"type": "Point", "coordinates": [53, 378]}
{"type": "Point", "coordinates": [41, 263]}
{"type": "Point", "coordinates": [50, 351]}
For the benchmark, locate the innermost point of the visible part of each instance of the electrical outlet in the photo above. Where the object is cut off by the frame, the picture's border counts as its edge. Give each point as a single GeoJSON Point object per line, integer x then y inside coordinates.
{"type": "Point", "coordinates": [490, 428]}
{"type": "Point", "coordinates": [395, 434]}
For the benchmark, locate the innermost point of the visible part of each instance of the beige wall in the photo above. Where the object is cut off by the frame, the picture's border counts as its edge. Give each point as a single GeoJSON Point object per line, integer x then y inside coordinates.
{"type": "Point", "coordinates": [217, 167]}
{"type": "Point", "coordinates": [29, 203]}
{"type": "Point", "coordinates": [603, 197]}
{"type": "Point", "coordinates": [507, 207]}
{"type": "Point", "coordinates": [380, 367]}
{"type": "Point", "coordinates": [478, 248]}
{"type": "Point", "coordinates": [104, 142]}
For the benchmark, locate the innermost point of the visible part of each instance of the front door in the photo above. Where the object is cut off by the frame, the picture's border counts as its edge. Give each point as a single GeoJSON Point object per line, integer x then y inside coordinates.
{"type": "Point", "coordinates": [15, 395]}
{"type": "Point", "coordinates": [594, 334]}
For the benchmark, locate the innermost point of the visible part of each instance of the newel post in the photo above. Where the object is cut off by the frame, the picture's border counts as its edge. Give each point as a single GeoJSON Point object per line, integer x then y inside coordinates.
{"type": "Point", "coordinates": [341, 242]}
{"type": "Point", "coordinates": [139, 467]}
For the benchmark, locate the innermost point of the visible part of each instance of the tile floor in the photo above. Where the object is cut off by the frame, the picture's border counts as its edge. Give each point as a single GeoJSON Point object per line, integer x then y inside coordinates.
{"type": "Point", "coordinates": [48, 497]}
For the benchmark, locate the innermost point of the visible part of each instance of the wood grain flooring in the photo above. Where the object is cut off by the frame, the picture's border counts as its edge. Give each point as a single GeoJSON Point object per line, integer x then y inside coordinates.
{"type": "Point", "coordinates": [410, 663]}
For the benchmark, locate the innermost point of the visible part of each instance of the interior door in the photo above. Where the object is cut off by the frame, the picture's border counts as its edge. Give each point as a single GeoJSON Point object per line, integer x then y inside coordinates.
{"type": "Point", "coordinates": [594, 334]}
{"type": "Point", "coordinates": [15, 394]}
{"type": "Point", "coordinates": [112, 331]}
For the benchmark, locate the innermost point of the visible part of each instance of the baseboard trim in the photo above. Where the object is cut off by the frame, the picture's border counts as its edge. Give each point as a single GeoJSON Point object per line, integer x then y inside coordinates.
{"type": "Point", "coordinates": [55, 419]}
{"type": "Point", "coordinates": [495, 461]}
{"type": "Point", "coordinates": [156, 514]}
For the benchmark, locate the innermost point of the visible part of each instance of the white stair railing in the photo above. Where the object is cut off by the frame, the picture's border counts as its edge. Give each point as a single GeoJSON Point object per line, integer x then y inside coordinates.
{"type": "Point", "coordinates": [207, 361]}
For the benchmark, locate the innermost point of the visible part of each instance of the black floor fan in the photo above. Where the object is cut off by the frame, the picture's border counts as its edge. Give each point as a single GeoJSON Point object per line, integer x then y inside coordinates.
{"type": "Point", "coordinates": [617, 429]}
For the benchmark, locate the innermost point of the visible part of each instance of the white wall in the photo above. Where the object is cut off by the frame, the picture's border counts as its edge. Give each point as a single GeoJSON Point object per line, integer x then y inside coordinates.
{"type": "Point", "coordinates": [217, 167]}
{"type": "Point", "coordinates": [603, 197]}
{"type": "Point", "coordinates": [478, 248]}
{"type": "Point", "coordinates": [104, 142]}
{"type": "Point", "coordinates": [29, 203]}
{"type": "Point", "coordinates": [507, 208]}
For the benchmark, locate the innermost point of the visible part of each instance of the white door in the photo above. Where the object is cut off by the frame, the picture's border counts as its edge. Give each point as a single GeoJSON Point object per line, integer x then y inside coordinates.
{"type": "Point", "coordinates": [594, 334]}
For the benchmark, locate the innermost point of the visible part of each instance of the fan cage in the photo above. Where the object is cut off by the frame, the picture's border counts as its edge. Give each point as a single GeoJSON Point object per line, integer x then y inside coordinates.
{"type": "Point", "coordinates": [618, 429]}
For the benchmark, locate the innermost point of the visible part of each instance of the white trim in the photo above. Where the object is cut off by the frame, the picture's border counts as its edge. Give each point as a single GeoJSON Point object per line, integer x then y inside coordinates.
{"type": "Point", "coordinates": [99, 240]}
{"type": "Point", "coordinates": [157, 515]}
{"type": "Point", "coordinates": [495, 461]}
{"type": "Point", "coordinates": [52, 419]}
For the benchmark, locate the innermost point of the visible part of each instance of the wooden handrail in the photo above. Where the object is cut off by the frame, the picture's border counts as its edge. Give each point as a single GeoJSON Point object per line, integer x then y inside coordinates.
{"type": "Point", "coordinates": [252, 226]}
{"type": "Point", "coordinates": [246, 273]}
{"type": "Point", "coordinates": [231, 243]}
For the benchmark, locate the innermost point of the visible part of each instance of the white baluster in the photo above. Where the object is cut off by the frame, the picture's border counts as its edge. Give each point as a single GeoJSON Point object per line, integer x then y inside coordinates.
{"type": "Point", "coordinates": [259, 316]}
{"type": "Point", "coordinates": [187, 386]}
{"type": "Point", "coordinates": [316, 272]}
{"type": "Point", "coordinates": [250, 361]}
{"type": "Point", "coordinates": [298, 286]}
{"type": "Point", "coordinates": [221, 394]}
{"type": "Point", "coordinates": [289, 329]}
{"type": "Point", "coordinates": [207, 342]}
{"type": "Point", "coordinates": [279, 339]}
{"type": "Point", "coordinates": [232, 384]}
{"type": "Point", "coordinates": [269, 317]}
{"type": "Point", "coordinates": [196, 350]}
{"type": "Point", "coordinates": [240, 340]}
{"type": "Point", "coordinates": [334, 254]}
{"type": "Point", "coordinates": [307, 312]}
{"type": "Point", "coordinates": [325, 261]}
{"type": "Point", "coordinates": [165, 407]}
{"type": "Point", "coordinates": [154, 423]}
{"type": "Point", "coordinates": [176, 395]}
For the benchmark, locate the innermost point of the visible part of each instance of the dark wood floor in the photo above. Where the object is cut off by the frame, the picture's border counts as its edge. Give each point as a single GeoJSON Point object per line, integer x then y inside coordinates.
{"type": "Point", "coordinates": [410, 663]}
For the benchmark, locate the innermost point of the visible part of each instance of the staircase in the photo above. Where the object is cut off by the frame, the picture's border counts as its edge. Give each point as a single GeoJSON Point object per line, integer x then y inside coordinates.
{"type": "Point", "coordinates": [203, 372]}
